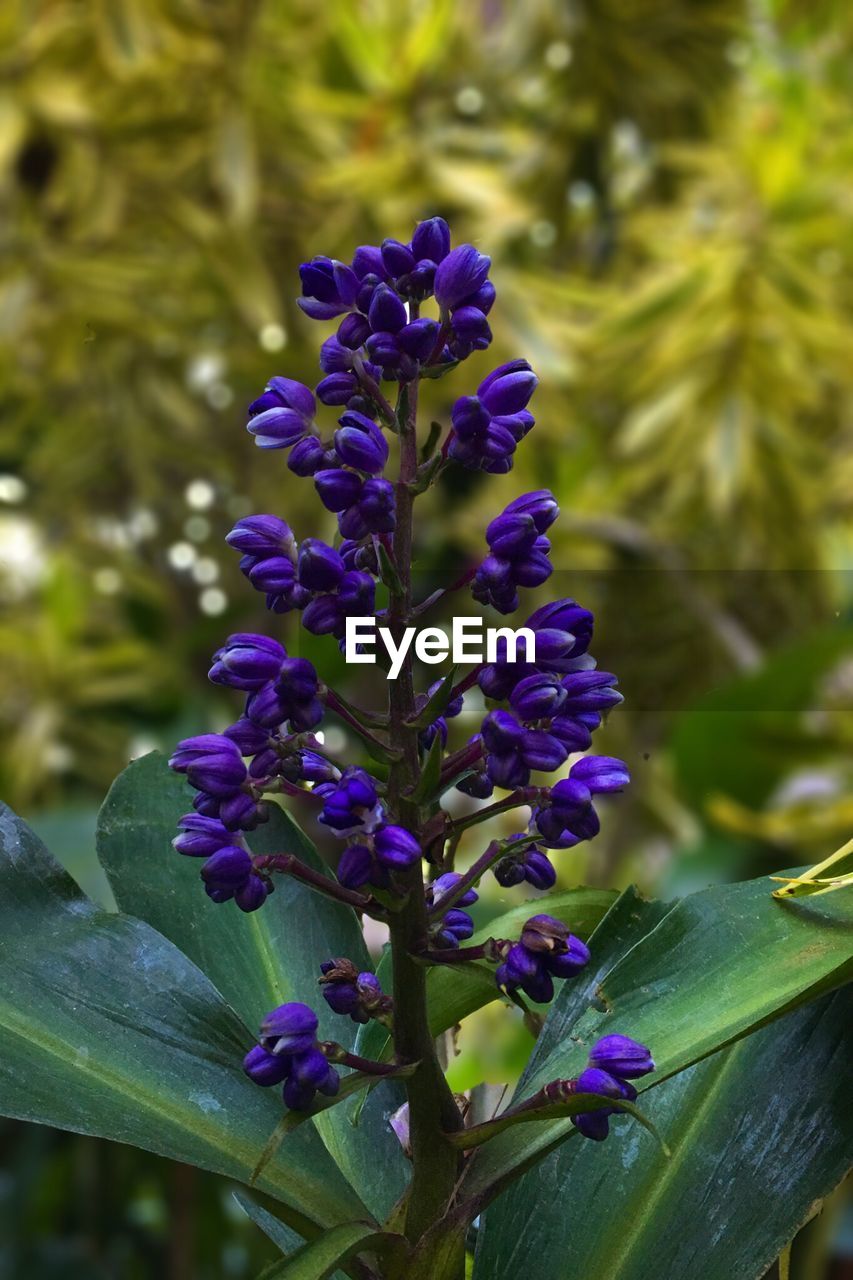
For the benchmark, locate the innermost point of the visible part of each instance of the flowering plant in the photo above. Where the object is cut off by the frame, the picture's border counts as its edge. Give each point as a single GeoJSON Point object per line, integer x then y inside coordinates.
{"type": "Point", "coordinates": [245, 1028]}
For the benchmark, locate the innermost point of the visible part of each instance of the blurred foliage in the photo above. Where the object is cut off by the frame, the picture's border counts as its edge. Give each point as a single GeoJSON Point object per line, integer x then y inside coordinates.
{"type": "Point", "coordinates": [663, 185]}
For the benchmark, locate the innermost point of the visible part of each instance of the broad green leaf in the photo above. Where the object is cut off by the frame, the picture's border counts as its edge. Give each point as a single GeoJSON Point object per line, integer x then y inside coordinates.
{"type": "Point", "coordinates": [455, 991]}
{"type": "Point", "coordinates": [321, 1257]}
{"type": "Point", "coordinates": [758, 1133]}
{"type": "Point", "coordinates": [719, 965]}
{"type": "Point", "coordinates": [257, 960]}
{"type": "Point", "coordinates": [287, 1240]}
{"type": "Point", "coordinates": [107, 1029]}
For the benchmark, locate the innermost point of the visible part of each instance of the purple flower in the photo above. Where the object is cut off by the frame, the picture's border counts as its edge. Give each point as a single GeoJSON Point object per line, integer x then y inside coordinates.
{"type": "Point", "coordinates": [595, 1124]}
{"type": "Point", "coordinates": [569, 816]}
{"type": "Point", "coordinates": [329, 288]}
{"type": "Point", "coordinates": [289, 1028]}
{"type": "Point", "coordinates": [519, 551]}
{"type": "Point", "coordinates": [545, 950]}
{"type": "Point", "coordinates": [319, 567]}
{"type": "Point", "coordinates": [488, 426]}
{"type": "Point", "coordinates": [200, 836]}
{"type": "Point", "coordinates": [455, 925]}
{"type": "Point", "coordinates": [530, 864]}
{"type": "Point", "coordinates": [460, 275]}
{"type": "Point", "coordinates": [353, 994]}
{"type": "Point", "coordinates": [246, 661]}
{"type": "Point", "coordinates": [360, 443]}
{"type": "Point", "coordinates": [352, 803]}
{"type": "Point", "coordinates": [396, 847]}
{"type": "Point", "coordinates": [288, 1052]}
{"type": "Point", "coordinates": [211, 762]}
{"type": "Point", "coordinates": [621, 1056]}
{"type": "Point", "coordinates": [266, 1068]}
{"type": "Point", "coordinates": [261, 536]}
{"type": "Point", "coordinates": [229, 873]}
{"type": "Point", "coordinates": [431, 240]}
{"type": "Point", "coordinates": [563, 631]}
{"type": "Point", "coordinates": [283, 415]}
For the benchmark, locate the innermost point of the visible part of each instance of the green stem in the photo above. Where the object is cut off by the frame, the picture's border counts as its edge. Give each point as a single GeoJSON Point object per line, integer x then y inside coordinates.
{"type": "Point", "coordinates": [432, 1108]}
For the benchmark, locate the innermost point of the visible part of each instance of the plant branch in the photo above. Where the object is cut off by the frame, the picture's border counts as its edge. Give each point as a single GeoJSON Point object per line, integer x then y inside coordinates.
{"type": "Point", "coordinates": [288, 864]}
{"type": "Point", "coordinates": [432, 1108]}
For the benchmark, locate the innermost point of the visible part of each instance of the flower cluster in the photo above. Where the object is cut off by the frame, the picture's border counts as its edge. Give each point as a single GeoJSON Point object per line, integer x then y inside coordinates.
{"type": "Point", "coordinates": [288, 1052]}
{"type": "Point", "coordinates": [518, 551]}
{"type": "Point", "coordinates": [352, 807]}
{"type": "Point", "coordinates": [545, 950]}
{"type": "Point", "coordinates": [353, 994]}
{"type": "Point", "coordinates": [541, 710]}
{"type": "Point", "coordinates": [614, 1061]}
{"type": "Point", "coordinates": [488, 427]}
{"type": "Point", "coordinates": [454, 925]}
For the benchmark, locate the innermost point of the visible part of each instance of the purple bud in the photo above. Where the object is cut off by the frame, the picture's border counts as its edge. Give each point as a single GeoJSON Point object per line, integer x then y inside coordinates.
{"type": "Point", "coordinates": [590, 691]}
{"type": "Point", "coordinates": [338, 489]}
{"type": "Point", "coordinates": [266, 1068]}
{"type": "Point", "coordinates": [621, 1056]}
{"type": "Point", "coordinates": [397, 258]}
{"type": "Point", "coordinates": [367, 261]}
{"type": "Point", "coordinates": [471, 327]}
{"type": "Point", "coordinates": [537, 697]}
{"type": "Point", "coordinates": [431, 240]}
{"type": "Point", "coordinates": [459, 275]}
{"type": "Point", "coordinates": [253, 894]}
{"type": "Point", "coordinates": [542, 751]}
{"type": "Point", "coordinates": [274, 574]}
{"type": "Point", "coordinates": [322, 616]}
{"type": "Point", "coordinates": [246, 661]}
{"type": "Point", "coordinates": [319, 567]}
{"type": "Point", "coordinates": [355, 866]}
{"type": "Point", "coordinates": [601, 773]}
{"type": "Point", "coordinates": [353, 331]}
{"type": "Point", "coordinates": [228, 868]}
{"type": "Point", "coordinates": [200, 837]}
{"type": "Point", "coordinates": [337, 388]}
{"type": "Point", "coordinates": [508, 388]}
{"type": "Point", "coordinates": [291, 1028]}
{"type": "Point", "coordinates": [307, 457]}
{"type": "Point", "coordinates": [211, 762]}
{"type": "Point", "coordinates": [418, 338]}
{"type": "Point", "coordinates": [541, 505]}
{"type": "Point", "coordinates": [261, 536]}
{"type": "Point", "coordinates": [360, 443]}
{"type": "Point", "coordinates": [511, 534]}
{"type": "Point", "coordinates": [335, 357]}
{"type": "Point", "coordinates": [376, 505]}
{"type": "Point", "coordinates": [396, 847]}
{"type": "Point", "coordinates": [387, 312]}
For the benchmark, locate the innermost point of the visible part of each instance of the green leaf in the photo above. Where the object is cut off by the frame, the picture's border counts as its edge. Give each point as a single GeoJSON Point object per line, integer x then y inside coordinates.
{"type": "Point", "coordinates": [719, 965]}
{"type": "Point", "coordinates": [320, 1258]}
{"type": "Point", "coordinates": [758, 1133]}
{"type": "Point", "coordinates": [577, 1104]}
{"type": "Point", "coordinates": [428, 782]}
{"type": "Point", "coordinates": [454, 992]}
{"type": "Point", "coordinates": [436, 704]}
{"type": "Point", "coordinates": [433, 437]}
{"type": "Point", "coordinates": [388, 570]}
{"type": "Point", "coordinates": [281, 1235]}
{"type": "Point", "coordinates": [257, 960]}
{"type": "Point", "coordinates": [107, 1029]}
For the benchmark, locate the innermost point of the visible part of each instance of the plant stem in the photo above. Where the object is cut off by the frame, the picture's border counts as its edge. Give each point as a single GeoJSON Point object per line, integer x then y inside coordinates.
{"type": "Point", "coordinates": [524, 795]}
{"type": "Point", "coordinates": [288, 864]}
{"type": "Point", "coordinates": [432, 1109]}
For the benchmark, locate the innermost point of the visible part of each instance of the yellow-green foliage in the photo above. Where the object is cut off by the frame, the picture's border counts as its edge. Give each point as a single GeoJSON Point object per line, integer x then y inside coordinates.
{"type": "Point", "coordinates": [663, 187]}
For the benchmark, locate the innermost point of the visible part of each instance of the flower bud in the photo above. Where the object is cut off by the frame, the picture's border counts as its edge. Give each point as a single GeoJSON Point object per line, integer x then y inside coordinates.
{"type": "Point", "coordinates": [459, 275]}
